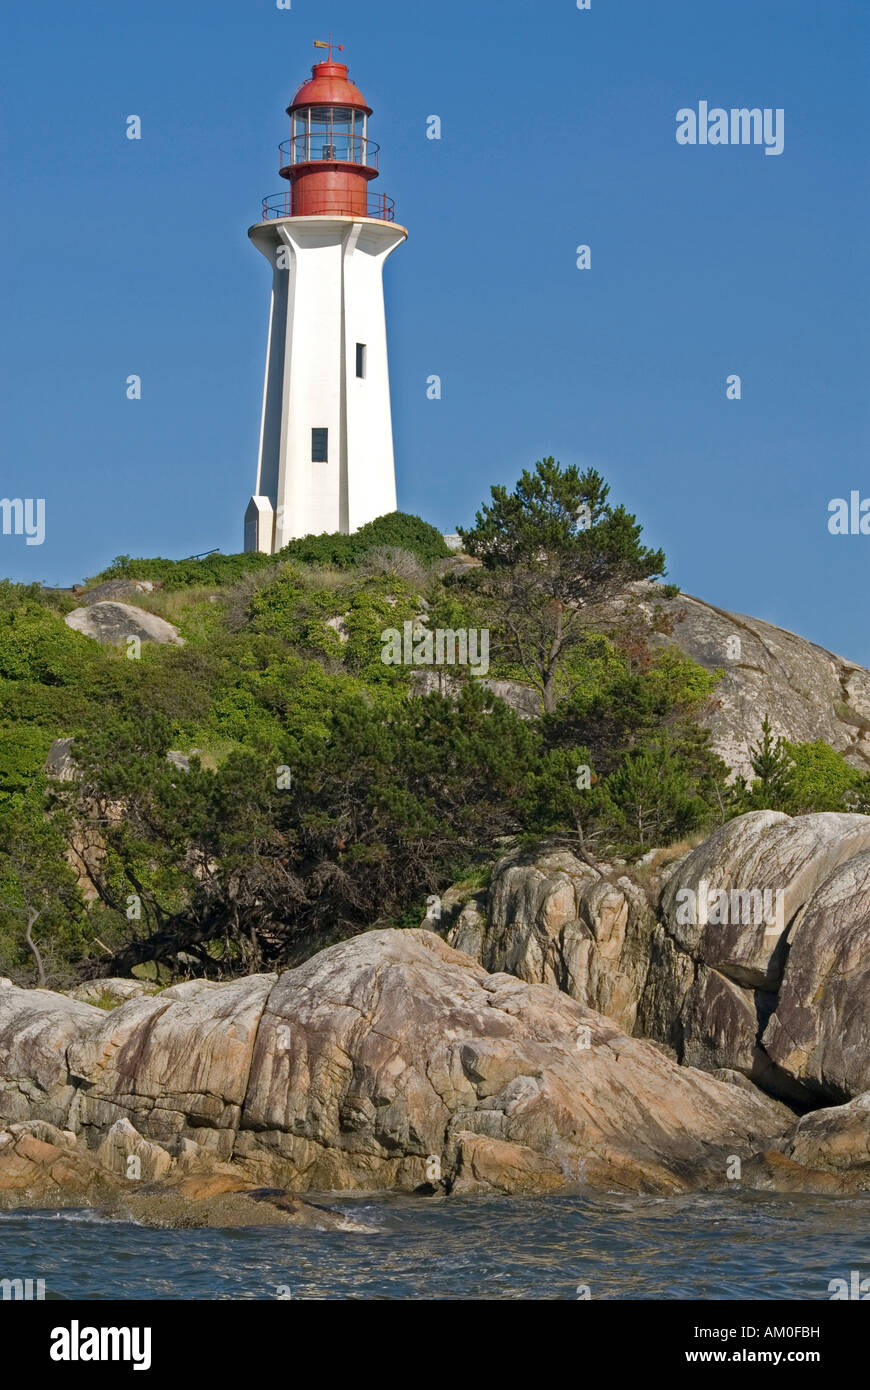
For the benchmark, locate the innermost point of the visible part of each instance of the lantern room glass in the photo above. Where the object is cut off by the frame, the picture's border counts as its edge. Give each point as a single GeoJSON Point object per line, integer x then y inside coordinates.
{"type": "Point", "coordinates": [328, 132]}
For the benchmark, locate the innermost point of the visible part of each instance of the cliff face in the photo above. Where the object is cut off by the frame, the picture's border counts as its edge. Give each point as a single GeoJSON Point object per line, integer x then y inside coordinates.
{"type": "Point", "coordinates": [751, 957]}
{"type": "Point", "coordinates": [809, 693]}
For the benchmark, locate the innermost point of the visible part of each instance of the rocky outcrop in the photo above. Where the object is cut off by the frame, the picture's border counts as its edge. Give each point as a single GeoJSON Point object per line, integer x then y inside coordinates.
{"type": "Point", "coordinates": [36, 1029]}
{"type": "Point", "coordinates": [522, 699]}
{"type": "Point", "coordinates": [110, 991]}
{"type": "Point", "coordinates": [552, 919]}
{"type": "Point", "coordinates": [394, 1061]}
{"type": "Point", "coordinates": [809, 693]}
{"type": "Point", "coordinates": [836, 1139]}
{"type": "Point", "coordinates": [750, 954]}
{"type": "Point", "coordinates": [116, 623]}
{"type": "Point", "coordinates": [60, 761]}
{"type": "Point", "coordinates": [176, 1064]}
{"type": "Point", "coordinates": [409, 1048]}
{"type": "Point", "coordinates": [43, 1166]}
{"type": "Point", "coordinates": [825, 1151]}
{"type": "Point", "coordinates": [124, 1152]}
{"type": "Point", "coordinates": [819, 1033]}
{"type": "Point", "coordinates": [764, 852]}
{"type": "Point", "coordinates": [117, 589]}
{"type": "Point", "coordinates": [388, 1061]}
{"type": "Point", "coordinates": [769, 911]}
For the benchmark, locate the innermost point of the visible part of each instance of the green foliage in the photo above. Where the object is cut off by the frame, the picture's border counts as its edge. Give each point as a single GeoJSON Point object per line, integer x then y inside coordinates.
{"type": "Point", "coordinates": [216, 569]}
{"type": "Point", "coordinates": [551, 549]}
{"type": "Point", "coordinates": [798, 778]}
{"type": "Point", "coordinates": [379, 807]}
{"type": "Point", "coordinates": [822, 780]}
{"type": "Point", "coordinates": [42, 922]}
{"type": "Point", "coordinates": [654, 776]}
{"type": "Point", "coordinates": [23, 750]}
{"type": "Point", "coordinates": [396, 529]}
{"type": "Point", "coordinates": [663, 790]}
{"type": "Point", "coordinates": [559, 522]}
{"type": "Point", "coordinates": [772, 764]}
{"type": "Point", "coordinates": [322, 797]}
{"type": "Point", "coordinates": [35, 646]}
{"type": "Point", "coordinates": [622, 708]}
{"type": "Point", "coordinates": [342, 626]}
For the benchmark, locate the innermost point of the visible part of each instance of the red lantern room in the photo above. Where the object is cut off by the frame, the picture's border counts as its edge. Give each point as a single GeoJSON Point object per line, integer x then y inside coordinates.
{"type": "Point", "coordinates": [329, 159]}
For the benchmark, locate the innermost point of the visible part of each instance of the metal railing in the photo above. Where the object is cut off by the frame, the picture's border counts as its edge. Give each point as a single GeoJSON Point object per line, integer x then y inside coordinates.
{"type": "Point", "coordinates": [331, 204]}
{"type": "Point", "coordinates": [315, 146]}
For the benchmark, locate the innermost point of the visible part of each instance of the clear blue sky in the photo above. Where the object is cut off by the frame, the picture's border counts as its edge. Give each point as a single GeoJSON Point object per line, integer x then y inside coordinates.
{"type": "Point", "coordinates": [123, 257]}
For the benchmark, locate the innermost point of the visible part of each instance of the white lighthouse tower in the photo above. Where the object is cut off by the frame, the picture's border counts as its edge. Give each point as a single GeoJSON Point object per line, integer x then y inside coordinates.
{"type": "Point", "coordinates": [326, 436]}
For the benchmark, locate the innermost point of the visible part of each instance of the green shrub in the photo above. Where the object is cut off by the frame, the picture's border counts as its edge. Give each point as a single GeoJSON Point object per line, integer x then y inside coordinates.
{"type": "Point", "coordinates": [397, 529]}
{"type": "Point", "coordinates": [799, 778]}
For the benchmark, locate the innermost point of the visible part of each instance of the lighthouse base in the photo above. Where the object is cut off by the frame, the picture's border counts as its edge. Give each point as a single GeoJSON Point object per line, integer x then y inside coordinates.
{"type": "Point", "coordinates": [260, 525]}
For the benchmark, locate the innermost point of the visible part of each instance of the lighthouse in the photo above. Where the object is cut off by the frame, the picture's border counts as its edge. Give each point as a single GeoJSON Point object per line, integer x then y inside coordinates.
{"type": "Point", "coordinates": [326, 437]}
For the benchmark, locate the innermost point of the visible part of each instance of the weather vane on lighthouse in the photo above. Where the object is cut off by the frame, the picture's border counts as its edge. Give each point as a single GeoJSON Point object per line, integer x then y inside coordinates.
{"type": "Point", "coordinates": [339, 47]}
{"type": "Point", "coordinates": [326, 438]}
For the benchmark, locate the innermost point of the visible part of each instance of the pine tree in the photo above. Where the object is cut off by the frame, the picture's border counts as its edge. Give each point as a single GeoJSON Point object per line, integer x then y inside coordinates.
{"type": "Point", "coordinates": [773, 786]}
{"type": "Point", "coordinates": [550, 549]}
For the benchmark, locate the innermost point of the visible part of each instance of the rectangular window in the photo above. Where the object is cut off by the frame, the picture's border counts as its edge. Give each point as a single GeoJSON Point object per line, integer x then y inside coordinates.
{"type": "Point", "coordinates": [361, 359]}
{"type": "Point", "coordinates": [320, 446]}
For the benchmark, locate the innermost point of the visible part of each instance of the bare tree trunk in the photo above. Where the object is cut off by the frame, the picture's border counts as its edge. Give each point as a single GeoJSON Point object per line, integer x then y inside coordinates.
{"type": "Point", "coordinates": [582, 851]}
{"type": "Point", "coordinates": [549, 691]}
{"type": "Point", "coordinates": [32, 918]}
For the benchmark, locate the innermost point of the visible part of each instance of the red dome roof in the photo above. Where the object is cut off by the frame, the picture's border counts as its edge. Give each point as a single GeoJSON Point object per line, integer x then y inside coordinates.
{"type": "Point", "coordinates": [329, 86]}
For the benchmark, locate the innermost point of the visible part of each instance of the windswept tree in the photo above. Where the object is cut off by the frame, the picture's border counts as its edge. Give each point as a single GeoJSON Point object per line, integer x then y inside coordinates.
{"type": "Point", "coordinates": [551, 549]}
{"type": "Point", "coordinates": [40, 910]}
{"type": "Point", "coordinates": [278, 849]}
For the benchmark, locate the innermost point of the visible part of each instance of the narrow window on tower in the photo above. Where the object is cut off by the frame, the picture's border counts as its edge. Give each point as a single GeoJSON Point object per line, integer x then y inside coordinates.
{"type": "Point", "coordinates": [361, 359]}
{"type": "Point", "coordinates": [320, 446]}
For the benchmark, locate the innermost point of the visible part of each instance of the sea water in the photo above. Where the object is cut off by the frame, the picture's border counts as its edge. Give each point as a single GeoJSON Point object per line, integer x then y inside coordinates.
{"type": "Point", "coordinates": [708, 1246]}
